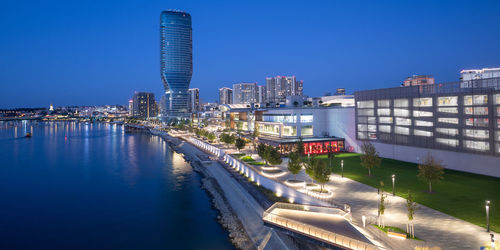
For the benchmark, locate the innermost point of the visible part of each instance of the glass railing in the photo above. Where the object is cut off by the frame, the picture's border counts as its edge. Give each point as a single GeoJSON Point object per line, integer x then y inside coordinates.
{"type": "Point", "coordinates": [312, 231]}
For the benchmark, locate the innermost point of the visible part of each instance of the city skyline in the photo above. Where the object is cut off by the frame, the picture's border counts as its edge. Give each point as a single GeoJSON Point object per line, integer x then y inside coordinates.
{"type": "Point", "coordinates": [341, 57]}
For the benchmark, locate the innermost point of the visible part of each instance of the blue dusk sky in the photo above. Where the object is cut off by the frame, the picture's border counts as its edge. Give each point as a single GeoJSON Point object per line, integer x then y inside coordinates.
{"type": "Point", "coordinates": [100, 52]}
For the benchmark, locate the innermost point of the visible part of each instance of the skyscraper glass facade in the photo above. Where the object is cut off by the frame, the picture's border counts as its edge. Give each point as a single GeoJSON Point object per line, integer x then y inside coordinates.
{"type": "Point", "coordinates": [176, 59]}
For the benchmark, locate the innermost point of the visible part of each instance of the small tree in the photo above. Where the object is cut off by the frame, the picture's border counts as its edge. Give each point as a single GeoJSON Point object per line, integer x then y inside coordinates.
{"type": "Point", "coordinates": [331, 155]}
{"type": "Point", "coordinates": [211, 136]}
{"type": "Point", "coordinates": [411, 206]}
{"type": "Point", "coordinates": [321, 173]}
{"type": "Point", "coordinates": [294, 163]}
{"type": "Point", "coordinates": [300, 147]}
{"type": "Point", "coordinates": [273, 156]}
{"type": "Point", "coordinates": [369, 158]}
{"type": "Point", "coordinates": [240, 143]}
{"type": "Point", "coordinates": [381, 209]}
{"type": "Point", "coordinates": [431, 170]}
{"type": "Point", "coordinates": [261, 151]}
{"type": "Point", "coordinates": [239, 126]}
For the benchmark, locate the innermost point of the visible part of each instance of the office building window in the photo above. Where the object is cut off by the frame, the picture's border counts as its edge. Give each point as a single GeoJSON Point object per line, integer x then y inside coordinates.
{"type": "Point", "coordinates": [362, 119]}
{"type": "Point", "coordinates": [306, 130]}
{"type": "Point", "coordinates": [448, 120]}
{"type": "Point", "coordinates": [448, 101]}
{"type": "Point", "coordinates": [423, 123]}
{"type": "Point", "coordinates": [306, 118]}
{"type": "Point", "coordinates": [498, 111]}
{"type": "Point", "coordinates": [418, 113]}
{"type": "Point", "coordinates": [419, 132]}
{"type": "Point", "coordinates": [498, 123]}
{"type": "Point", "coordinates": [290, 130]}
{"type": "Point", "coordinates": [448, 110]}
{"type": "Point", "coordinates": [362, 135]}
{"type": "Point", "coordinates": [372, 136]}
{"type": "Point", "coordinates": [372, 128]}
{"type": "Point", "coordinates": [448, 131]}
{"type": "Point", "coordinates": [365, 104]}
{"type": "Point", "coordinates": [400, 103]}
{"type": "Point", "coordinates": [475, 100]}
{"type": "Point", "coordinates": [447, 142]}
{"type": "Point", "coordinates": [367, 112]}
{"type": "Point", "coordinates": [385, 120]}
{"type": "Point", "coordinates": [477, 145]}
{"type": "Point", "coordinates": [497, 136]}
{"type": "Point", "coordinates": [401, 112]}
{"type": "Point", "coordinates": [477, 122]}
{"type": "Point", "coordinates": [403, 121]}
{"type": "Point", "coordinates": [422, 102]}
{"type": "Point", "coordinates": [362, 127]}
{"type": "Point", "coordinates": [384, 128]}
{"type": "Point", "coordinates": [477, 133]}
{"type": "Point", "coordinates": [401, 130]}
{"type": "Point", "coordinates": [496, 98]}
{"type": "Point", "coordinates": [372, 120]}
{"type": "Point", "coordinates": [384, 103]}
{"type": "Point", "coordinates": [476, 110]}
{"type": "Point", "coordinates": [384, 112]}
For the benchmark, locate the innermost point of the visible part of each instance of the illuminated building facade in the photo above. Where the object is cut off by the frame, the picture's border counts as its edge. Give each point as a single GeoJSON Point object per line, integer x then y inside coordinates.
{"type": "Point", "coordinates": [193, 100]}
{"type": "Point", "coordinates": [225, 96]}
{"type": "Point", "coordinates": [458, 123]}
{"type": "Point", "coordinates": [144, 105]}
{"type": "Point", "coordinates": [279, 87]}
{"type": "Point", "coordinates": [418, 80]}
{"type": "Point", "coordinates": [322, 129]}
{"type": "Point", "coordinates": [176, 59]}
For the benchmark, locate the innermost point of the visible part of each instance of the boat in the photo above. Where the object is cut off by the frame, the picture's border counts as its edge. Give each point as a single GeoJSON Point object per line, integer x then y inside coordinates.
{"type": "Point", "coordinates": [28, 135]}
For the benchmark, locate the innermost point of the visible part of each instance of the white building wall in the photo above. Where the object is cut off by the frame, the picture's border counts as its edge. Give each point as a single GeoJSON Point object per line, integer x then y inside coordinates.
{"type": "Point", "coordinates": [473, 163]}
{"type": "Point", "coordinates": [341, 124]}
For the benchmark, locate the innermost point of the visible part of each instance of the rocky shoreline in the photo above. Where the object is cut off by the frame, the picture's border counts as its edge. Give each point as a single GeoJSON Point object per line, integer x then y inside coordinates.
{"type": "Point", "coordinates": [227, 217]}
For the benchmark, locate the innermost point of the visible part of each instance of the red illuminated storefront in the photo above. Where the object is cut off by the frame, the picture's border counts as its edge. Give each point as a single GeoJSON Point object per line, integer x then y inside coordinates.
{"type": "Point", "coordinates": [323, 147]}
{"type": "Point", "coordinates": [312, 146]}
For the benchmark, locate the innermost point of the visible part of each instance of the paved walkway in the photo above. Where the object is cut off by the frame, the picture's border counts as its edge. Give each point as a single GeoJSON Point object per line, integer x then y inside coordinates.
{"type": "Point", "coordinates": [435, 228]}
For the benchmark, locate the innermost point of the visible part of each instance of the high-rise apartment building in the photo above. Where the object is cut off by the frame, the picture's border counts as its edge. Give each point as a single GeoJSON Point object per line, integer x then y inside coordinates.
{"type": "Point", "coordinates": [193, 100]}
{"type": "Point", "coordinates": [417, 80]}
{"type": "Point", "coordinates": [279, 87]}
{"type": "Point", "coordinates": [261, 94]}
{"type": "Point", "coordinates": [225, 96]}
{"type": "Point", "coordinates": [244, 93]}
{"type": "Point", "coordinates": [176, 59]}
{"type": "Point", "coordinates": [144, 105]}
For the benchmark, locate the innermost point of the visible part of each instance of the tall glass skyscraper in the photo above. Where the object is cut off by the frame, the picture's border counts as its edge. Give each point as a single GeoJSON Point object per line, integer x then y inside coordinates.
{"type": "Point", "coordinates": [176, 59]}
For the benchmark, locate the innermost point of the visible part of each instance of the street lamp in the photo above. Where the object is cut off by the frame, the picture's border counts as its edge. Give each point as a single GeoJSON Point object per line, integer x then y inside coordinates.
{"type": "Point", "coordinates": [393, 180]}
{"type": "Point", "coordinates": [487, 216]}
{"type": "Point", "coordinates": [342, 167]}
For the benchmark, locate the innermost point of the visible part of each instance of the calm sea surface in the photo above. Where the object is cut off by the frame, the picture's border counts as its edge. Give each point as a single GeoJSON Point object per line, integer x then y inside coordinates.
{"type": "Point", "coordinates": [92, 186]}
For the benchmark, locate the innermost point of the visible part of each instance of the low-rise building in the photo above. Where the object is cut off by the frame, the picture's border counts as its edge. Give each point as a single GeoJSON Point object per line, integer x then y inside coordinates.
{"type": "Point", "coordinates": [458, 123]}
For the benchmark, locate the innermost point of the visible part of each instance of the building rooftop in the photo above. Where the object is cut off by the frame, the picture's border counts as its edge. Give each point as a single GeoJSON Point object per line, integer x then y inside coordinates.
{"type": "Point", "coordinates": [471, 86]}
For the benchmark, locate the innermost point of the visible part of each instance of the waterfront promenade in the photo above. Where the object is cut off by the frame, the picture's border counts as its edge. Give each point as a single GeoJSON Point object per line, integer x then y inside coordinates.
{"type": "Point", "coordinates": [435, 228]}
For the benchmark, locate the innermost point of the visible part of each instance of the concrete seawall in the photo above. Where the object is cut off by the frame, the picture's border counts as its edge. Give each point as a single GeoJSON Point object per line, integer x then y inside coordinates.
{"type": "Point", "coordinates": [254, 175]}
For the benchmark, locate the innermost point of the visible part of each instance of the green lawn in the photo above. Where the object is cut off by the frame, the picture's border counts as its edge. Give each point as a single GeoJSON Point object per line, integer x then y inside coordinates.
{"type": "Point", "coordinates": [459, 194]}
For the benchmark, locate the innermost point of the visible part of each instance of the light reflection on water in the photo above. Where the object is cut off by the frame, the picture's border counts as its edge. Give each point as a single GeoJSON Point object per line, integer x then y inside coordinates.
{"type": "Point", "coordinates": [93, 186]}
